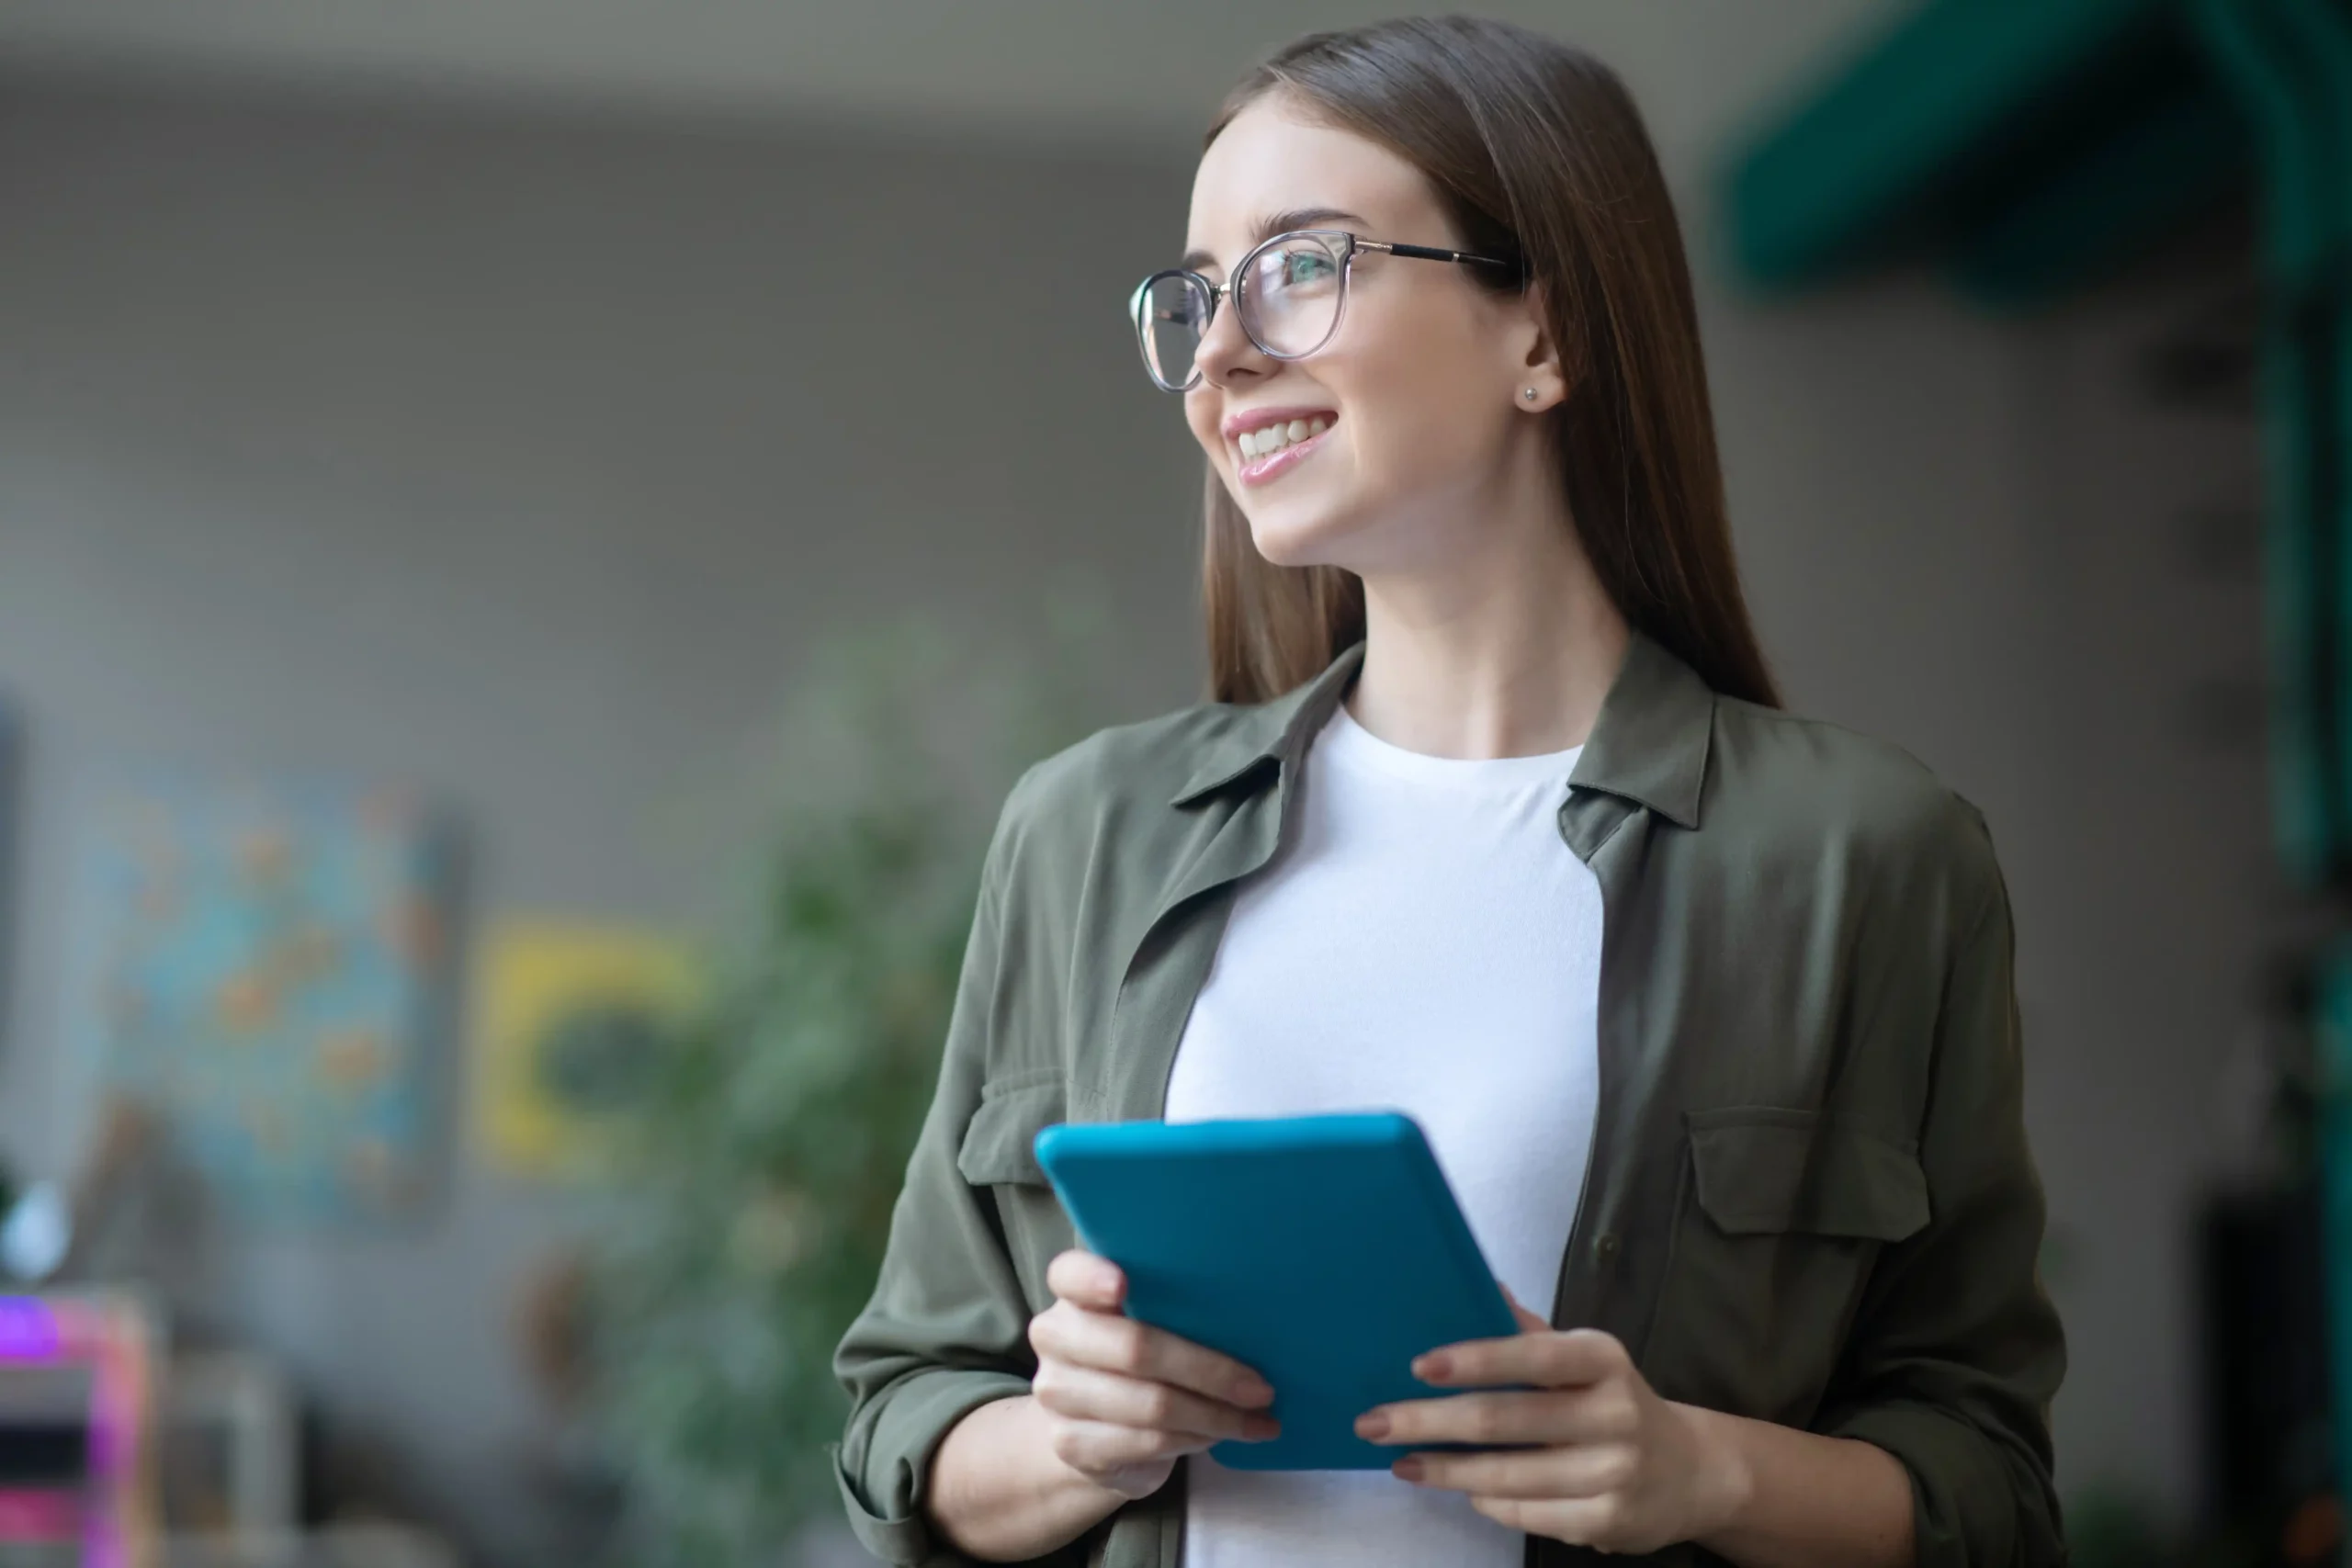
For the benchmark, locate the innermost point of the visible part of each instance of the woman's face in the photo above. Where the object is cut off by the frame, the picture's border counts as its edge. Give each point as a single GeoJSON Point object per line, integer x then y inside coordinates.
{"type": "Point", "coordinates": [1419, 394]}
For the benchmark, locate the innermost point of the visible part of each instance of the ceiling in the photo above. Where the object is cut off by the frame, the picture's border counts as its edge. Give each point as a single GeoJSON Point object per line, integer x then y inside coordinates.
{"type": "Point", "coordinates": [1128, 73]}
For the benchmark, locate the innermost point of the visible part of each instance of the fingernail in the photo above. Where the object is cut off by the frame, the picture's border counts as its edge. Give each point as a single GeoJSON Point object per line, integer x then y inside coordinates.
{"type": "Point", "coordinates": [1372, 1426]}
{"type": "Point", "coordinates": [1435, 1365]}
{"type": "Point", "coordinates": [1261, 1428]}
{"type": "Point", "coordinates": [1406, 1468]}
{"type": "Point", "coordinates": [1253, 1391]}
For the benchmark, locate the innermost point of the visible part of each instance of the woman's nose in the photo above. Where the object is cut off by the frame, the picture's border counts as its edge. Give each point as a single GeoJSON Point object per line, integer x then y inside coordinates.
{"type": "Point", "coordinates": [1225, 352]}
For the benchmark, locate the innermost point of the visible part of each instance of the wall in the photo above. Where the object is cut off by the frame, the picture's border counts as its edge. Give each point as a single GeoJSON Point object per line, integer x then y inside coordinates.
{"type": "Point", "coordinates": [2158, 919]}
{"type": "Point", "coordinates": [518, 456]}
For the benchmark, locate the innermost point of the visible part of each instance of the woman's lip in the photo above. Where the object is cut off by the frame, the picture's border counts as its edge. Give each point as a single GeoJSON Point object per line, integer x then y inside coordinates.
{"type": "Point", "coordinates": [1257, 470]}
{"type": "Point", "coordinates": [1259, 419]}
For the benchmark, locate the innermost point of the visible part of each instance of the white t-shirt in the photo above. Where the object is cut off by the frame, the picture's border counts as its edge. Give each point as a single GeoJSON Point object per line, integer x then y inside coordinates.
{"type": "Point", "coordinates": [1431, 944]}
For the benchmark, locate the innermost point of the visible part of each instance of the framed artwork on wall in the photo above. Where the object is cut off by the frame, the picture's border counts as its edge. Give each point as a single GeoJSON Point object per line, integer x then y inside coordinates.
{"type": "Point", "coordinates": [566, 1016]}
{"type": "Point", "coordinates": [268, 974]}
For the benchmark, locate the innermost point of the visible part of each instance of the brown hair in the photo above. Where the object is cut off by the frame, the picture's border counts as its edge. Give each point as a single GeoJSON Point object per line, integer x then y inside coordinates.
{"type": "Point", "coordinates": [1537, 153]}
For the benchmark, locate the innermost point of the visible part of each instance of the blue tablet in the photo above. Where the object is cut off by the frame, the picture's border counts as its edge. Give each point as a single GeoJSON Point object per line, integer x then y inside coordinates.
{"type": "Point", "coordinates": [1324, 1251]}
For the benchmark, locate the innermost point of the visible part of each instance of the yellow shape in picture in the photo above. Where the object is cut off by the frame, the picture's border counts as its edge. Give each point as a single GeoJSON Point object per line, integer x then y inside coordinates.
{"type": "Point", "coordinates": [570, 1017]}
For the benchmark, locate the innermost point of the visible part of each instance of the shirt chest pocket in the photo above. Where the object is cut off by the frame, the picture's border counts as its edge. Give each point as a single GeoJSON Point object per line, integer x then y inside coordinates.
{"type": "Point", "coordinates": [999, 1153]}
{"type": "Point", "coordinates": [1782, 1214]}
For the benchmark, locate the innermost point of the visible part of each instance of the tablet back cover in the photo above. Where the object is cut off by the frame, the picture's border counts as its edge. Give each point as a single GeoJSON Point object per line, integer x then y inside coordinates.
{"type": "Point", "coordinates": [1325, 1251]}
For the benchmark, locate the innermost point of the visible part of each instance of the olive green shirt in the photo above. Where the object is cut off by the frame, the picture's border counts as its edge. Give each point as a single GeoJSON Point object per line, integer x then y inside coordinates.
{"type": "Point", "coordinates": [1809, 1198]}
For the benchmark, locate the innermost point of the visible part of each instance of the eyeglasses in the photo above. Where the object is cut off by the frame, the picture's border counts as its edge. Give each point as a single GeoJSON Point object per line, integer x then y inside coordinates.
{"type": "Point", "coordinates": [1289, 293]}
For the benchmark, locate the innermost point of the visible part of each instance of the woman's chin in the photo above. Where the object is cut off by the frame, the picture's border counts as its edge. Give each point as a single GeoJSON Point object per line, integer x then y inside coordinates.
{"type": "Point", "coordinates": [1301, 541]}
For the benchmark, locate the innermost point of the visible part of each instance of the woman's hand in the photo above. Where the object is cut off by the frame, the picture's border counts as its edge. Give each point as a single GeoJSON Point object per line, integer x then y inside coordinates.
{"type": "Point", "coordinates": [1112, 1407]}
{"type": "Point", "coordinates": [1608, 1463]}
{"type": "Point", "coordinates": [1124, 1402]}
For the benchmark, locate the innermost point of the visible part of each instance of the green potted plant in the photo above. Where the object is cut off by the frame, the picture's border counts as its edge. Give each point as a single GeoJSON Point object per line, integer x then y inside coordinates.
{"type": "Point", "coordinates": [772, 1127]}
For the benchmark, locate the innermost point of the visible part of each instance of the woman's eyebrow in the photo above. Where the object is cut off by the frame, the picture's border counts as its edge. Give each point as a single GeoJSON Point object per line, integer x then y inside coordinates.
{"type": "Point", "coordinates": [1266, 227]}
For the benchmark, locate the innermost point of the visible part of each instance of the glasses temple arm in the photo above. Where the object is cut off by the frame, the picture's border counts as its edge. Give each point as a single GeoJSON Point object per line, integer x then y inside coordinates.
{"type": "Point", "coordinates": [1430, 252]}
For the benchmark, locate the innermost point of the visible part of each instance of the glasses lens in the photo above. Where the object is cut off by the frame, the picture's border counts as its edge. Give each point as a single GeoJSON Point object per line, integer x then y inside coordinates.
{"type": "Point", "coordinates": [1171, 313]}
{"type": "Point", "coordinates": [1288, 294]}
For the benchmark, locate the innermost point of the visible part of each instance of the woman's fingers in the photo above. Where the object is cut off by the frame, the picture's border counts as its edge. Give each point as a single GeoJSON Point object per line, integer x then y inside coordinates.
{"type": "Point", "coordinates": [1546, 1360]}
{"type": "Point", "coordinates": [1101, 1448]}
{"type": "Point", "coordinates": [1542, 1416]}
{"type": "Point", "coordinates": [1082, 1393]}
{"type": "Point", "coordinates": [1533, 1473]}
{"type": "Point", "coordinates": [1126, 1397]}
{"type": "Point", "coordinates": [1108, 1343]}
{"type": "Point", "coordinates": [1094, 1282]}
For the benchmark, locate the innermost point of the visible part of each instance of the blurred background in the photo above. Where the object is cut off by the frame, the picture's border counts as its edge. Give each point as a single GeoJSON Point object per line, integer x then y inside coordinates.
{"type": "Point", "coordinates": [483, 481]}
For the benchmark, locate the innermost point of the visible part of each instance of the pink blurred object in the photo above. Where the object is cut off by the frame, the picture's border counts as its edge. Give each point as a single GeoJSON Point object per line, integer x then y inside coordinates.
{"type": "Point", "coordinates": [85, 1362]}
{"type": "Point", "coordinates": [30, 1514]}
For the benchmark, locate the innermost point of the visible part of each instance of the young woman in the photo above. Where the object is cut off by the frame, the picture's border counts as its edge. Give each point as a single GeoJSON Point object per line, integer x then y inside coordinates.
{"type": "Point", "coordinates": [1707, 1010]}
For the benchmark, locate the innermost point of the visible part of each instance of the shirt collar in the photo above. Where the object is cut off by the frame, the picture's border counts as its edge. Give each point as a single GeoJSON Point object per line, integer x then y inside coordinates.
{"type": "Point", "coordinates": [1279, 731]}
{"type": "Point", "coordinates": [1649, 744]}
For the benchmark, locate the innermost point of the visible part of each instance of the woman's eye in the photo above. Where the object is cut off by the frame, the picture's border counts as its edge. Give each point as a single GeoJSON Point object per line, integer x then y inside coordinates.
{"type": "Point", "coordinates": [1293, 269]}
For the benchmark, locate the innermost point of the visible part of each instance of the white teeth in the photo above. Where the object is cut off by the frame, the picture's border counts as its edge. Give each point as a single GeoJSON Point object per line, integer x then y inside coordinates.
{"type": "Point", "coordinates": [1269, 439]}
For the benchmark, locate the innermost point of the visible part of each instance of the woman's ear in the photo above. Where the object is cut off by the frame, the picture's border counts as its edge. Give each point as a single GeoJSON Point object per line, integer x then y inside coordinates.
{"type": "Point", "coordinates": [1539, 383]}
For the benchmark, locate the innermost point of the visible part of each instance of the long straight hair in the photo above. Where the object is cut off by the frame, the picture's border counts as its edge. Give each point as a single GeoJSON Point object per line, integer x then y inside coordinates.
{"type": "Point", "coordinates": [1536, 152]}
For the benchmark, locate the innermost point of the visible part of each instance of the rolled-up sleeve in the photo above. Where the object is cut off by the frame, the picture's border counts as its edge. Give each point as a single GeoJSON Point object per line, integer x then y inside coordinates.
{"type": "Point", "coordinates": [1956, 1350]}
{"type": "Point", "coordinates": [946, 1329]}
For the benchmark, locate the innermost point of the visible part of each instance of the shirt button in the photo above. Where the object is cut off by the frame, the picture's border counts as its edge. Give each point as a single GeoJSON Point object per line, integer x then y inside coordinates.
{"type": "Point", "coordinates": [1606, 1246]}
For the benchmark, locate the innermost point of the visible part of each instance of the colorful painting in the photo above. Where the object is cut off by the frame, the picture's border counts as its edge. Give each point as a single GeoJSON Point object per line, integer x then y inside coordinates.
{"type": "Point", "coordinates": [569, 1015]}
{"type": "Point", "coordinates": [270, 970]}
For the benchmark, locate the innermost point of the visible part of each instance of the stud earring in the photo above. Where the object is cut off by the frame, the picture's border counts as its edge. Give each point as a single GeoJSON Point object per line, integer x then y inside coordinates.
{"type": "Point", "coordinates": [1530, 393]}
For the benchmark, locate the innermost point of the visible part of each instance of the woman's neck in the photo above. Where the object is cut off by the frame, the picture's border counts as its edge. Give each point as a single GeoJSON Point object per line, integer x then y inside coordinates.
{"type": "Point", "coordinates": [1502, 652]}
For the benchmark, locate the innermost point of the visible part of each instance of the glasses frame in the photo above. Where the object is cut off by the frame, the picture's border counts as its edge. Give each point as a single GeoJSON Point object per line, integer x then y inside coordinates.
{"type": "Point", "coordinates": [1348, 245]}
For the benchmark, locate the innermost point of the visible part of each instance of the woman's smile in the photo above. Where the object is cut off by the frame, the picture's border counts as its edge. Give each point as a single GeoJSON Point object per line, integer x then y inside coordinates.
{"type": "Point", "coordinates": [1269, 443]}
